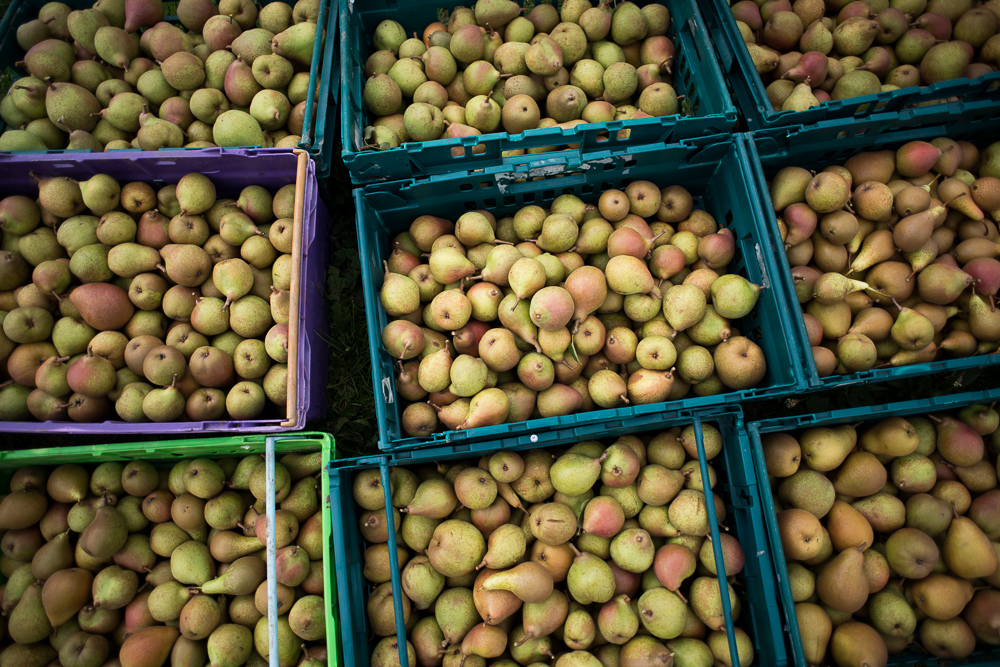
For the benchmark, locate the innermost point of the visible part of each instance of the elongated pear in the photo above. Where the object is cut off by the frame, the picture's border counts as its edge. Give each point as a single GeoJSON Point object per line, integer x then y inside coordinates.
{"type": "Point", "coordinates": [831, 288]}
{"type": "Point", "coordinates": [515, 316]}
{"type": "Point", "coordinates": [529, 581]}
{"type": "Point", "coordinates": [877, 247]}
{"type": "Point", "coordinates": [543, 618]}
{"type": "Point", "coordinates": [105, 535]}
{"type": "Point", "coordinates": [148, 646]}
{"type": "Point", "coordinates": [65, 593]}
{"type": "Point", "coordinates": [589, 288]}
{"type": "Point", "coordinates": [815, 629]}
{"type": "Point", "coordinates": [242, 577]}
{"type": "Point", "coordinates": [842, 583]}
{"type": "Point", "coordinates": [29, 623]}
{"type": "Point", "coordinates": [967, 551]}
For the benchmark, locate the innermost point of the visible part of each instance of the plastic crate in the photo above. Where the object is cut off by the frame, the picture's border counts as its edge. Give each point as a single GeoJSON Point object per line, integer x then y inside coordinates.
{"type": "Point", "coordinates": [231, 171]}
{"type": "Point", "coordinates": [318, 123]}
{"type": "Point", "coordinates": [737, 486]}
{"type": "Point", "coordinates": [696, 75]}
{"type": "Point", "coordinates": [750, 441]}
{"type": "Point", "coordinates": [348, 550]}
{"type": "Point", "coordinates": [712, 168]}
{"type": "Point", "coordinates": [818, 147]}
{"type": "Point", "coordinates": [756, 108]}
{"type": "Point", "coordinates": [159, 452]}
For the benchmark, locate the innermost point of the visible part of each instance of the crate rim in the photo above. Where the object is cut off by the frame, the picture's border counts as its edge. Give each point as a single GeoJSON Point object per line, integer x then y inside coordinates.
{"type": "Point", "coordinates": [315, 123]}
{"type": "Point", "coordinates": [760, 115]}
{"type": "Point", "coordinates": [309, 209]}
{"type": "Point", "coordinates": [722, 122]}
{"type": "Point", "coordinates": [729, 419]}
{"type": "Point", "coordinates": [751, 438]}
{"type": "Point", "coordinates": [866, 134]}
{"type": "Point", "coordinates": [208, 448]}
{"type": "Point", "coordinates": [704, 148]}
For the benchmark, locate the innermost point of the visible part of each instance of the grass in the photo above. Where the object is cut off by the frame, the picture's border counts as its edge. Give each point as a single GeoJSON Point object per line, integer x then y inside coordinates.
{"type": "Point", "coordinates": [350, 397]}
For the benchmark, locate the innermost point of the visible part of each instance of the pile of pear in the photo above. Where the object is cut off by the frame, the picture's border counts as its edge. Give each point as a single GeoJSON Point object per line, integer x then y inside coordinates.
{"type": "Point", "coordinates": [125, 563]}
{"type": "Point", "coordinates": [596, 555]}
{"type": "Point", "coordinates": [894, 254]}
{"type": "Point", "coordinates": [891, 532]}
{"type": "Point", "coordinates": [623, 300]}
{"type": "Point", "coordinates": [492, 69]}
{"type": "Point", "coordinates": [121, 301]}
{"type": "Point", "coordinates": [117, 76]}
{"type": "Point", "coordinates": [813, 51]}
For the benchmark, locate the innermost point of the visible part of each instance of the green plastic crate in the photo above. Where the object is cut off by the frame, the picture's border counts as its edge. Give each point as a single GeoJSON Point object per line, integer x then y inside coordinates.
{"type": "Point", "coordinates": [348, 549]}
{"type": "Point", "coordinates": [170, 451]}
{"type": "Point", "coordinates": [750, 441]}
{"type": "Point", "coordinates": [737, 486]}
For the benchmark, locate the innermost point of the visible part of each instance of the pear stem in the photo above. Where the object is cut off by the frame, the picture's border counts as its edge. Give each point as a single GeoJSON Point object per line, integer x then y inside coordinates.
{"type": "Point", "coordinates": [960, 194]}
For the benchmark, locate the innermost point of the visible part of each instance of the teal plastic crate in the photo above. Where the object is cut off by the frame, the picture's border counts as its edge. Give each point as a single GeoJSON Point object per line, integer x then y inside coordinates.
{"type": "Point", "coordinates": [318, 125]}
{"type": "Point", "coordinates": [166, 453]}
{"type": "Point", "coordinates": [750, 440]}
{"type": "Point", "coordinates": [712, 168]}
{"type": "Point", "coordinates": [756, 108]}
{"type": "Point", "coordinates": [348, 559]}
{"type": "Point", "coordinates": [696, 76]}
{"type": "Point", "coordinates": [832, 143]}
{"type": "Point", "coordinates": [737, 486]}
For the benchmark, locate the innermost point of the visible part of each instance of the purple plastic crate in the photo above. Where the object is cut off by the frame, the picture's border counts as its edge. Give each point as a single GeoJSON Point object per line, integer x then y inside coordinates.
{"type": "Point", "coordinates": [231, 170]}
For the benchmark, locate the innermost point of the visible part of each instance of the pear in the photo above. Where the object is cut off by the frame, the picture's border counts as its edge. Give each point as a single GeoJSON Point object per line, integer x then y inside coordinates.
{"type": "Point", "coordinates": [967, 550]}
{"type": "Point", "coordinates": [105, 535]}
{"type": "Point", "coordinates": [814, 630]}
{"type": "Point", "coordinates": [801, 534]}
{"type": "Point", "coordinates": [911, 553]}
{"type": "Point", "coordinates": [940, 596]}
{"type": "Point", "coordinates": [684, 306]}
{"type": "Point", "coordinates": [825, 448]}
{"type": "Point", "coordinates": [64, 593]}
{"type": "Point", "coordinates": [574, 474]}
{"type": "Point", "coordinates": [957, 442]}
{"type": "Point", "coordinates": [590, 579]}
{"type": "Point", "coordinates": [842, 584]}
{"type": "Point", "coordinates": [893, 436]}
{"type": "Point", "coordinates": [912, 330]}
{"type": "Point", "coordinates": [28, 622]}
{"type": "Point", "coordinates": [528, 581]}
{"type": "Point", "coordinates": [733, 296]}
{"type": "Point", "coordinates": [856, 643]}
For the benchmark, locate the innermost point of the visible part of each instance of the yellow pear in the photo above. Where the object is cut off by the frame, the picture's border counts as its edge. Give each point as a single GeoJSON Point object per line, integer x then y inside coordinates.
{"type": "Point", "coordinates": [815, 629]}
{"type": "Point", "coordinates": [967, 551]}
{"type": "Point", "coordinates": [826, 448]}
{"type": "Point", "coordinates": [890, 437]}
{"type": "Point", "coordinates": [941, 597]}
